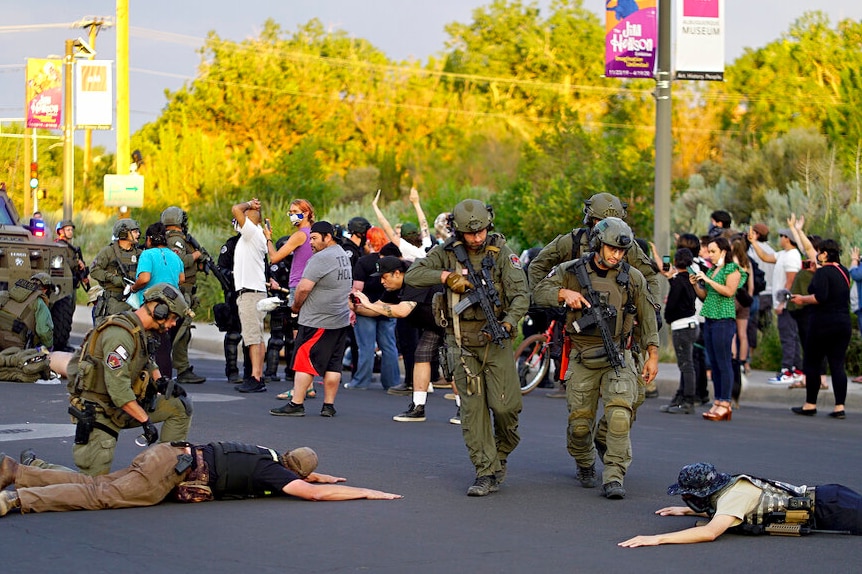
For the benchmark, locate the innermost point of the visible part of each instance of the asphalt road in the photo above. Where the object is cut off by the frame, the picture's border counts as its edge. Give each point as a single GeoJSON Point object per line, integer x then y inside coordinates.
{"type": "Point", "coordinates": [539, 521]}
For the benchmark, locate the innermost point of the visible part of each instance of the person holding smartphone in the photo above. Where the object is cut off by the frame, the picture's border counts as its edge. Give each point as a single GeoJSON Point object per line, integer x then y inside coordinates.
{"type": "Point", "coordinates": [717, 289]}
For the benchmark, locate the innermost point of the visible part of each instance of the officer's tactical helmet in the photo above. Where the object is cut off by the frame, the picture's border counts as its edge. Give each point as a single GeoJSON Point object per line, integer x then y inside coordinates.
{"type": "Point", "coordinates": [602, 205]}
{"type": "Point", "coordinates": [611, 231]}
{"type": "Point", "coordinates": [358, 226]}
{"type": "Point", "coordinates": [42, 278]}
{"type": "Point", "coordinates": [64, 223]}
{"type": "Point", "coordinates": [123, 227]}
{"type": "Point", "coordinates": [170, 296]}
{"type": "Point", "coordinates": [173, 215]}
{"type": "Point", "coordinates": [471, 215]}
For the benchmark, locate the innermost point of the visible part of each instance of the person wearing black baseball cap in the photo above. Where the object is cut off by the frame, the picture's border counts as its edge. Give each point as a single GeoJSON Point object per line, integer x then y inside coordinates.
{"type": "Point", "coordinates": [752, 505]}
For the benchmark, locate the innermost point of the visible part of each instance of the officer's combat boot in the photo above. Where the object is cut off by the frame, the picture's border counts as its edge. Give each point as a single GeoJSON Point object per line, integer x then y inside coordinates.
{"type": "Point", "coordinates": [231, 354]}
{"type": "Point", "coordinates": [483, 486]}
{"type": "Point", "coordinates": [188, 377]}
{"type": "Point", "coordinates": [587, 476]}
{"type": "Point", "coordinates": [9, 501]}
{"type": "Point", "coordinates": [270, 373]}
{"type": "Point", "coordinates": [8, 470]}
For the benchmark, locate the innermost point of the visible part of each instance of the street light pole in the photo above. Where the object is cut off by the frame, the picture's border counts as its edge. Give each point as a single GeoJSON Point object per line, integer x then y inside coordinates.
{"type": "Point", "coordinates": [68, 134]}
{"type": "Point", "coordinates": [663, 136]}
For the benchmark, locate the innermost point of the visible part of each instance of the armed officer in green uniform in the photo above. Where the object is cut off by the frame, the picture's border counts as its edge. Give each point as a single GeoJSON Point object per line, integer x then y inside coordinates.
{"type": "Point", "coordinates": [115, 384]}
{"type": "Point", "coordinates": [601, 363]}
{"type": "Point", "coordinates": [64, 308]}
{"type": "Point", "coordinates": [572, 245]}
{"type": "Point", "coordinates": [115, 268]}
{"type": "Point", "coordinates": [25, 318]}
{"type": "Point", "coordinates": [176, 221]}
{"type": "Point", "coordinates": [481, 272]}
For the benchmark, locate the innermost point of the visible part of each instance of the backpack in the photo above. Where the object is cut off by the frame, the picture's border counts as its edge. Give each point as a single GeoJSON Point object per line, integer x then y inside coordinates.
{"type": "Point", "coordinates": [759, 277]}
{"type": "Point", "coordinates": [17, 314]}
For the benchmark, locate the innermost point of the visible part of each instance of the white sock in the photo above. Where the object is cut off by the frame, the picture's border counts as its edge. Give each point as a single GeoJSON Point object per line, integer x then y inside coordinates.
{"type": "Point", "coordinates": [458, 401]}
{"type": "Point", "coordinates": [419, 398]}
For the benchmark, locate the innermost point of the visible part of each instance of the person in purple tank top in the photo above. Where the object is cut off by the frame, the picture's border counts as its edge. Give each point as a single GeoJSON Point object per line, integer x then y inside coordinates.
{"type": "Point", "coordinates": [301, 214]}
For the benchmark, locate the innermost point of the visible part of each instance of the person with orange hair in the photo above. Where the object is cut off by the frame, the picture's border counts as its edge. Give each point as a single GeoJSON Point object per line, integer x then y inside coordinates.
{"type": "Point", "coordinates": [371, 330]}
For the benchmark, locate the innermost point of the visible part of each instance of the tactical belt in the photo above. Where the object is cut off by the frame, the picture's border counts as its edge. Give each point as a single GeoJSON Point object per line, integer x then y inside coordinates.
{"type": "Point", "coordinates": [106, 429]}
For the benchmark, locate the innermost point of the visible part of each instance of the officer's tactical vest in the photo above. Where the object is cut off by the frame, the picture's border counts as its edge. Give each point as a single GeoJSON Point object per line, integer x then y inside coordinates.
{"type": "Point", "coordinates": [177, 242]}
{"type": "Point", "coordinates": [491, 252]}
{"type": "Point", "coordinates": [86, 369]}
{"type": "Point", "coordinates": [17, 314]}
{"type": "Point", "coordinates": [234, 464]}
{"type": "Point", "coordinates": [614, 289]}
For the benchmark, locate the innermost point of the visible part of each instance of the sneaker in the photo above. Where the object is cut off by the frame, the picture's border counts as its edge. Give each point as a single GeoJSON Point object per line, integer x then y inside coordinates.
{"type": "Point", "coordinates": [414, 414]}
{"type": "Point", "coordinates": [441, 383]}
{"type": "Point", "coordinates": [797, 375]}
{"type": "Point", "coordinates": [271, 378]}
{"type": "Point", "coordinates": [456, 420]}
{"type": "Point", "coordinates": [401, 390]}
{"type": "Point", "coordinates": [188, 377]}
{"type": "Point", "coordinates": [784, 377]}
{"type": "Point", "coordinates": [675, 401]}
{"type": "Point", "coordinates": [234, 378]}
{"type": "Point", "coordinates": [500, 475]}
{"type": "Point", "coordinates": [354, 387]}
{"type": "Point", "coordinates": [613, 490]}
{"type": "Point", "coordinates": [483, 486]}
{"type": "Point", "coordinates": [681, 409]}
{"type": "Point", "coordinates": [289, 410]}
{"type": "Point", "coordinates": [651, 393]}
{"type": "Point", "coordinates": [327, 411]}
{"type": "Point", "coordinates": [251, 385]}
{"type": "Point", "coordinates": [587, 476]}
{"type": "Point", "coordinates": [27, 457]}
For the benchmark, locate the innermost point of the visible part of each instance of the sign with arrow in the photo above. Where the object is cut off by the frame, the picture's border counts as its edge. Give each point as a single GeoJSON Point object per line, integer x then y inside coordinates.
{"type": "Point", "coordinates": [125, 190]}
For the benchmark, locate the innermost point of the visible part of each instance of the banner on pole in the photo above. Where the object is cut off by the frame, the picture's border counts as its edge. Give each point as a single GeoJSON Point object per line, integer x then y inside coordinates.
{"type": "Point", "coordinates": [93, 95]}
{"type": "Point", "coordinates": [700, 40]}
{"type": "Point", "coordinates": [44, 93]}
{"type": "Point", "coordinates": [631, 38]}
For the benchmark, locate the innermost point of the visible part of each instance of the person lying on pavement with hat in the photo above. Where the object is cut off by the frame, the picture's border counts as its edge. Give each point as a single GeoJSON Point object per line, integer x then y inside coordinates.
{"type": "Point", "coordinates": [752, 505]}
{"type": "Point", "coordinates": [192, 473]}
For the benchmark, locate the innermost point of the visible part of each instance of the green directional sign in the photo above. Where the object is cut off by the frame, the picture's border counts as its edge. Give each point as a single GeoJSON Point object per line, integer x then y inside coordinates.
{"type": "Point", "coordinates": [125, 190]}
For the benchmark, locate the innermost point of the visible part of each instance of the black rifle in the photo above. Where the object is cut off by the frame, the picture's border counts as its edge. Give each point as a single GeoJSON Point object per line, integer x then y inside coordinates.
{"type": "Point", "coordinates": [598, 315]}
{"type": "Point", "coordinates": [206, 264]}
{"type": "Point", "coordinates": [484, 293]}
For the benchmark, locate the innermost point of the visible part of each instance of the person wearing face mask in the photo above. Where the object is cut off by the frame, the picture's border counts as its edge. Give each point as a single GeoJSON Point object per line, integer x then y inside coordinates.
{"type": "Point", "coordinates": [301, 214]}
{"type": "Point", "coordinates": [717, 289]}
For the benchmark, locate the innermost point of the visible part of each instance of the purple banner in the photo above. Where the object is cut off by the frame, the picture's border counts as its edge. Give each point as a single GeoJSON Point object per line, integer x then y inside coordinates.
{"type": "Point", "coordinates": [631, 38]}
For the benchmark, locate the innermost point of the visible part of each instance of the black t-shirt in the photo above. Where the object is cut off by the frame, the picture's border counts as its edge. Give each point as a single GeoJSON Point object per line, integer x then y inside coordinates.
{"type": "Point", "coordinates": [422, 316]}
{"type": "Point", "coordinates": [831, 286]}
{"type": "Point", "coordinates": [362, 271]}
{"type": "Point", "coordinates": [352, 250]}
{"type": "Point", "coordinates": [268, 478]}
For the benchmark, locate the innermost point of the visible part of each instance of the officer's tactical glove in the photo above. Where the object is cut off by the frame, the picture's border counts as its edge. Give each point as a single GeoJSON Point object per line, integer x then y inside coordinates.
{"type": "Point", "coordinates": [151, 433]}
{"type": "Point", "coordinates": [458, 283]}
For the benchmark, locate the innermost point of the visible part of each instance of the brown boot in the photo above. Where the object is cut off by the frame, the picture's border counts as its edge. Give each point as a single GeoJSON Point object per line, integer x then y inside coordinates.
{"type": "Point", "coordinates": [8, 470]}
{"type": "Point", "coordinates": [8, 501]}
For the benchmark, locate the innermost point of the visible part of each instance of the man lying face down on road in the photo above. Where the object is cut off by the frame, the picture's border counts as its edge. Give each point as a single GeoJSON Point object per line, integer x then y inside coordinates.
{"type": "Point", "coordinates": [189, 473]}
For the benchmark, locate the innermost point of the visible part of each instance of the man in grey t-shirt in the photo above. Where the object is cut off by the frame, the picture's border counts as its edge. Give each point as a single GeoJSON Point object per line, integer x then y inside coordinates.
{"type": "Point", "coordinates": [324, 319]}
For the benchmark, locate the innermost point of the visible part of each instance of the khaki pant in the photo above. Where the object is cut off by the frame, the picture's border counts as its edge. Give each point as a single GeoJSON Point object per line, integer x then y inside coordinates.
{"type": "Point", "coordinates": [148, 480]}
{"type": "Point", "coordinates": [95, 457]}
{"type": "Point", "coordinates": [618, 393]}
{"type": "Point", "coordinates": [489, 419]}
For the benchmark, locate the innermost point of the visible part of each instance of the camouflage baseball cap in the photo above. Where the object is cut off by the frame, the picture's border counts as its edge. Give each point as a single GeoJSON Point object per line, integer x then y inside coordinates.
{"type": "Point", "coordinates": [302, 461]}
{"type": "Point", "coordinates": [699, 479]}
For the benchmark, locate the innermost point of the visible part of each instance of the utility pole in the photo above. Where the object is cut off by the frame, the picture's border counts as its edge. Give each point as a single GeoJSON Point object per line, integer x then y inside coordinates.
{"type": "Point", "coordinates": [123, 144]}
{"type": "Point", "coordinates": [93, 24]}
{"type": "Point", "coordinates": [68, 133]}
{"type": "Point", "coordinates": [663, 141]}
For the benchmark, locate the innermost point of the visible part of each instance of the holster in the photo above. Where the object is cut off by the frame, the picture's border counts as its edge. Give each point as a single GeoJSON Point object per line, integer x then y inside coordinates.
{"type": "Point", "coordinates": [85, 420]}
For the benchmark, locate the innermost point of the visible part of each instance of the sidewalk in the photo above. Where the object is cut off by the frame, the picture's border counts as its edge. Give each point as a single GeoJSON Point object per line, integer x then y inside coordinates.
{"type": "Point", "coordinates": [208, 340]}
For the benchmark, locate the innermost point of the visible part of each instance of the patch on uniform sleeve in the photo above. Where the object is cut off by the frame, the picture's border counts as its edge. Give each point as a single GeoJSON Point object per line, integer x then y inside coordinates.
{"type": "Point", "coordinates": [122, 352]}
{"type": "Point", "coordinates": [179, 244]}
{"type": "Point", "coordinates": [515, 261]}
{"type": "Point", "coordinates": [552, 272]}
{"type": "Point", "coordinates": [114, 361]}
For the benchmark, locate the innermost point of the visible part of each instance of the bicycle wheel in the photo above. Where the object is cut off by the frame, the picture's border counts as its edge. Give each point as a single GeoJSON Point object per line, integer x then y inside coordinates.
{"type": "Point", "coordinates": [532, 358]}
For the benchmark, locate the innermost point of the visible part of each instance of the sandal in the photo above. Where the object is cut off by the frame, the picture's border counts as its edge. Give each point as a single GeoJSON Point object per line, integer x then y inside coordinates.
{"type": "Point", "coordinates": [797, 385]}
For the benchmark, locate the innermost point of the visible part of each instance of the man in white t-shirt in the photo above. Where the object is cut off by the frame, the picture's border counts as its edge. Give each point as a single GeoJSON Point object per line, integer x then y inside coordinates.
{"type": "Point", "coordinates": [788, 262]}
{"type": "Point", "coordinates": [249, 277]}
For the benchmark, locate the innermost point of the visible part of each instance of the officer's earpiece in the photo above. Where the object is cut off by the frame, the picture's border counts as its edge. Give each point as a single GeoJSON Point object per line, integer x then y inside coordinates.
{"type": "Point", "coordinates": [161, 311]}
